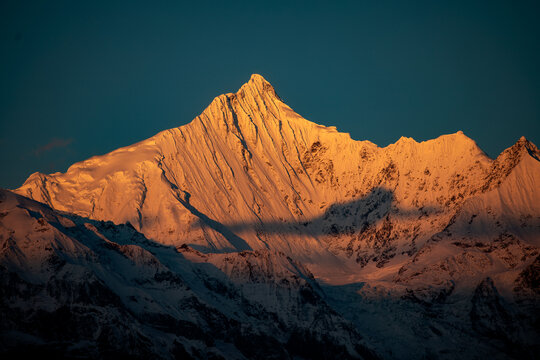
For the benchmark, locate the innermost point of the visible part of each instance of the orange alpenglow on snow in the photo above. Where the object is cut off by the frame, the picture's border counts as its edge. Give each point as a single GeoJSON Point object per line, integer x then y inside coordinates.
{"type": "Point", "coordinates": [250, 173]}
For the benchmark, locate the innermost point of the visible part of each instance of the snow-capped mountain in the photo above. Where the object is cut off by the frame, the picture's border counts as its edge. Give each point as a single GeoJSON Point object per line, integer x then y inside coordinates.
{"type": "Point", "coordinates": [432, 240]}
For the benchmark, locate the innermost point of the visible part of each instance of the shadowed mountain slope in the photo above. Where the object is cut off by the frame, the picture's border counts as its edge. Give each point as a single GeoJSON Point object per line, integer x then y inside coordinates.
{"type": "Point", "coordinates": [75, 287]}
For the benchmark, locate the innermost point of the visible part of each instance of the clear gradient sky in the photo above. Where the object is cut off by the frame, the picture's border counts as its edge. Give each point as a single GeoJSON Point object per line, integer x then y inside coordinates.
{"type": "Point", "coordinates": [82, 78]}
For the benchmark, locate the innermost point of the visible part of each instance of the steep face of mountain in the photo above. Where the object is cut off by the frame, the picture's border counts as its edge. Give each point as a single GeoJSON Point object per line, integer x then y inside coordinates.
{"type": "Point", "coordinates": [74, 286]}
{"type": "Point", "coordinates": [250, 173]}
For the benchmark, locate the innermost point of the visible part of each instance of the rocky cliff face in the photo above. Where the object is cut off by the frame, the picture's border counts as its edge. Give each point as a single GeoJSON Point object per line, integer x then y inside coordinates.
{"type": "Point", "coordinates": [250, 187]}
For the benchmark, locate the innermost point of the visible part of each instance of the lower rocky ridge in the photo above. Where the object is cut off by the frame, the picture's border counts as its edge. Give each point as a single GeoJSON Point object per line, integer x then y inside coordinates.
{"type": "Point", "coordinates": [73, 287]}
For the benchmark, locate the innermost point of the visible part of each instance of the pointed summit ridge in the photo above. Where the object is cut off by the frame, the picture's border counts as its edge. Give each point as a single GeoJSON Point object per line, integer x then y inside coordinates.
{"type": "Point", "coordinates": [523, 144]}
{"type": "Point", "coordinates": [255, 102]}
{"type": "Point", "coordinates": [529, 147]}
{"type": "Point", "coordinates": [256, 89]}
{"type": "Point", "coordinates": [258, 80]}
{"type": "Point", "coordinates": [258, 84]}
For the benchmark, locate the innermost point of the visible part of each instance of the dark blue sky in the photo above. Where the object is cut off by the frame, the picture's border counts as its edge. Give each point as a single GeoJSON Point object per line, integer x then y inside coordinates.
{"type": "Point", "coordinates": [83, 78]}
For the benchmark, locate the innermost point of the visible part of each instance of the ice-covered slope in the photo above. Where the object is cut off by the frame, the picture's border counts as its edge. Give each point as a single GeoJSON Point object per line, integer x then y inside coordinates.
{"type": "Point", "coordinates": [250, 173]}
{"type": "Point", "coordinates": [75, 287]}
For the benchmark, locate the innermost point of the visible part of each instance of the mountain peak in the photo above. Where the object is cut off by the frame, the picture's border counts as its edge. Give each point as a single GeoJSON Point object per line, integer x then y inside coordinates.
{"type": "Point", "coordinates": [525, 146]}
{"type": "Point", "coordinates": [256, 78]}
{"type": "Point", "coordinates": [258, 84]}
{"type": "Point", "coordinates": [460, 135]}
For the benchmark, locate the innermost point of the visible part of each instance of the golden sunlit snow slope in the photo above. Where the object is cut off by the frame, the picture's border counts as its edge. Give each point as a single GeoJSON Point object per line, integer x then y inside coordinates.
{"type": "Point", "coordinates": [250, 173]}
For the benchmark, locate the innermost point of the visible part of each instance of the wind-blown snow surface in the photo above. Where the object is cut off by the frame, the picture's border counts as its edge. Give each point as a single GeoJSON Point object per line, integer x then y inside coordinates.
{"type": "Point", "coordinates": [428, 248]}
